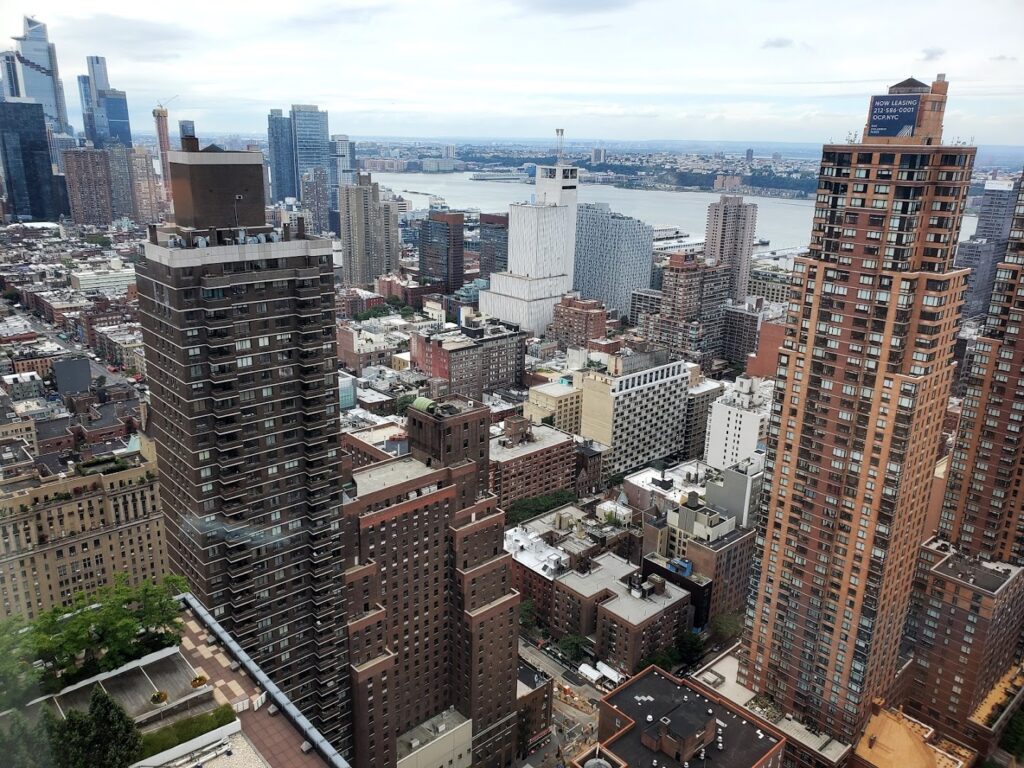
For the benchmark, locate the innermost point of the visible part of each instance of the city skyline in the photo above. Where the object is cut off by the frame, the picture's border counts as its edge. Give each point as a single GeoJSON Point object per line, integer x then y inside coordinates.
{"type": "Point", "coordinates": [775, 75]}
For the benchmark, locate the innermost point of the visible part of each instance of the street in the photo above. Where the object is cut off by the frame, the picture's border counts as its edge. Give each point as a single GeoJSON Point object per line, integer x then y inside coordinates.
{"type": "Point", "coordinates": [568, 724]}
{"type": "Point", "coordinates": [45, 329]}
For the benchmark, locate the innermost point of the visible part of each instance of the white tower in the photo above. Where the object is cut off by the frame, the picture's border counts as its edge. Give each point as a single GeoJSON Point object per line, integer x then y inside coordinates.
{"type": "Point", "coordinates": [541, 251]}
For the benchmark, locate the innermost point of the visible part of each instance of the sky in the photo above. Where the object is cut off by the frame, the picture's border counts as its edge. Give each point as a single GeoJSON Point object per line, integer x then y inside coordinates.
{"type": "Point", "coordinates": [743, 70]}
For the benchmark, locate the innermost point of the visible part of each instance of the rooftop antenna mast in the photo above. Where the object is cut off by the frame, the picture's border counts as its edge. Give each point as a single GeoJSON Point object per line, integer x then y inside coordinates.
{"type": "Point", "coordinates": [559, 145]}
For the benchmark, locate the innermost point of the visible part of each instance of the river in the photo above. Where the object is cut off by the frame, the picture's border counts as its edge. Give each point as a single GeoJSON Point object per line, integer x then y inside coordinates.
{"type": "Point", "coordinates": [786, 223]}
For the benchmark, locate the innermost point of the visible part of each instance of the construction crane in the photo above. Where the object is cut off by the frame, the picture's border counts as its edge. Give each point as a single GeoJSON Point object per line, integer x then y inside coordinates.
{"type": "Point", "coordinates": [162, 104]}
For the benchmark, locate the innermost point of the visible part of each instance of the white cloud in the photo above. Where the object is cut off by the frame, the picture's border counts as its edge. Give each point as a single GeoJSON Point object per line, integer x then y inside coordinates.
{"type": "Point", "coordinates": [602, 68]}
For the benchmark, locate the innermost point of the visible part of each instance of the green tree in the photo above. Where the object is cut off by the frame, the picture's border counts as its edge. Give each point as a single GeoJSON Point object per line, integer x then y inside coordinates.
{"type": "Point", "coordinates": [524, 509]}
{"type": "Point", "coordinates": [727, 626]}
{"type": "Point", "coordinates": [527, 614]}
{"type": "Point", "coordinates": [12, 295]}
{"type": "Point", "coordinates": [116, 740]}
{"type": "Point", "coordinates": [573, 646]}
{"type": "Point", "coordinates": [22, 745]}
{"type": "Point", "coordinates": [690, 648]}
{"type": "Point", "coordinates": [403, 403]}
{"type": "Point", "coordinates": [101, 381]}
{"type": "Point", "coordinates": [18, 677]}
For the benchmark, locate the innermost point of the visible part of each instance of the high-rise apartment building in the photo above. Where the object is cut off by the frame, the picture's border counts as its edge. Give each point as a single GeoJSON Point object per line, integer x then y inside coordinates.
{"type": "Point", "coordinates": [163, 142]}
{"type": "Point", "coordinates": [541, 252]}
{"type": "Point", "coordinates": [983, 509]}
{"type": "Point", "coordinates": [863, 380]}
{"type": "Point", "coordinates": [145, 187]}
{"type": "Point", "coordinates": [119, 158]}
{"type": "Point", "coordinates": [25, 163]}
{"type": "Point", "coordinates": [30, 72]}
{"type": "Point", "coordinates": [87, 172]}
{"type": "Point", "coordinates": [441, 250]}
{"type": "Point", "coordinates": [316, 199]}
{"type": "Point", "coordinates": [729, 239]}
{"type": "Point", "coordinates": [282, 155]}
{"type": "Point", "coordinates": [598, 156]}
{"type": "Point", "coordinates": [311, 145]}
{"type": "Point", "coordinates": [239, 333]}
{"type": "Point", "coordinates": [983, 251]}
{"type": "Point", "coordinates": [340, 171]}
{"type": "Point", "coordinates": [613, 255]}
{"type": "Point", "coordinates": [693, 298]}
{"type": "Point", "coordinates": [576, 321]}
{"type": "Point", "coordinates": [493, 243]}
{"type": "Point", "coordinates": [367, 227]}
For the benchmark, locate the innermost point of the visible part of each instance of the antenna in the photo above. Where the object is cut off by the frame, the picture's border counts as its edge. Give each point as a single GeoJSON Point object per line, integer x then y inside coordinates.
{"type": "Point", "coordinates": [559, 144]}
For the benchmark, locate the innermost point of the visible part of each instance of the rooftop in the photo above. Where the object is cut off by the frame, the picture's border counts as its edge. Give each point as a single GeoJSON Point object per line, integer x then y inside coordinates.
{"type": "Point", "coordinates": [675, 483]}
{"type": "Point", "coordinates": [543, 437]}
{"type": "Point", "coordinates": [529, 678]}
{"type": "Point", "coordinates": [531, 551]}
{"type": "Point", "coordinates": [980, 575]}
{"type": "Point", "coordinates": [654, 700]}
{"type": "Point", "coordinates": [388, 473]}
{"type": "Point", "coordinates": [893, 739]}
{"type": "Point", "coordinates": [420, 735]}
{"type": "Point", "coordinates": [720, 676]}
{"type": "Point", "coordinates": [606, 570]}
{"type": "Point", "coordinates": [554, 389]}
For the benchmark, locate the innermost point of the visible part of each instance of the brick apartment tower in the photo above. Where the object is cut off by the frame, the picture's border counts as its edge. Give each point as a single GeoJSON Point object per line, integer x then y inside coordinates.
{"type": "Point", "coordinates": [432, 617]}
{"type": "Point", "coordinates": [239, 333]}
{"type": "Point", "coordinates": [983, 510]}
{"type": "Point", "coordinates": [729, 240]}
{"type": "Point", "coordinates": [864, 376]}
{"type": "Point", "coordinates": [88, 179]}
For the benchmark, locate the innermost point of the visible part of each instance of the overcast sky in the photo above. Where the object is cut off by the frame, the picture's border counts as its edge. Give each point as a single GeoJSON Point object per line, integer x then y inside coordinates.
{"type": "Point", "coordinates": [769, 70]}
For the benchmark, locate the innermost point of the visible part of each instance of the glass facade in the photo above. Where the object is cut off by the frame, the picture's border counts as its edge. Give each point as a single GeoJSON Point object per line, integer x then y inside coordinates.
{"type": "Point", "coordinates": [282, 156]}
{"type": "Point", "coordinates": [25, 162]}
{"type": "Point", "coordinates": [310, 139]}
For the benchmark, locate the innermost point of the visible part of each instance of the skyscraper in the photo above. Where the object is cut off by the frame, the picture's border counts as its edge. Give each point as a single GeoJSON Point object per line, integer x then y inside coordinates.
{"type": "Point", "coordinates": [983, 509]}
{"type": "Point", "coordinates": [441, 250]}
{"type": "Point", "coordinates": [87, 172]}
{"type": "Point", "coordinates": [340, 173]}
{"type": "Point", "coordinates": [316, 199]}
{"type": "Point", "coordinates": [25, 162]}
{"type": "Point", "coordinates": [983, 251]}
{"type": "Point", "coordinates": [729, 239]}
{"type": "Point", "coordinates": [691, 313]}
{"type": "Point", "coordinates": [242, 368]}
{"type": "Point", "coordinates": [163, 141]}
{"type": "Point", "coordinates": [613, 255]}
{"type": "Point", "coordinates": [493, 243]}
{"type": "Point", "coordinates": [121, 187]}
{"type": "Point", "coordinates": [145, 187]}
{"type": "Point", "coordinates": [30, 71]}
{"type": "Point", "coordinates": [541, 252]}
{"type": "Point", "coordinates": [282, 155]}
{"type": "Point", "coordinates": [368, 230]}
{"type": "Point", "coordinates": [104, 109]}
{"type": "Point", "coordinates": [310, 142]}
{"type": "Point", "coordinates": [864, 374]}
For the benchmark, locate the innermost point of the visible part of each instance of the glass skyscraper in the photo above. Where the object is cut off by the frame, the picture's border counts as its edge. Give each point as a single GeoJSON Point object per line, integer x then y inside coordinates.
{"type": "Point", "coordinates": [30, 71]}
{"type": "Point", "coordinates": [282, 155]}
{"type": "Point", "coordinates": [104, 109]}
{"type": "Point", "coordinates": [310, 139]}
{"type": "Point", "coordinates": [25, 162]}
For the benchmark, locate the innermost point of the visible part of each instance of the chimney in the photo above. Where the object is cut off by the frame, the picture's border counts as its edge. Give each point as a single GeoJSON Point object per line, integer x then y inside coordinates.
{"type": "Point", "coordinates": [300, 228]}
{"type": "Point", "coordinates": [693, 499]}
{"type": "Point", "coordinates": [286, 232]}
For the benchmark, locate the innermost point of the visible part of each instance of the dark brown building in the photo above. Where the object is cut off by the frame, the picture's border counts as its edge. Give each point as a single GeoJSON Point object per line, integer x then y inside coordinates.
{"type": "Point", "coordinates": [87, 174]}
{"type": "Point", "coordinates": [966, 617]}
{"type": "Point", "coordinates": [441, 250]}
{"type": "Point", "coordinates": [239, 331]}
{"type": "Point", "coordinates": [528, 461]}
{"type": "Point", "coordinates": [432, 618]}
{"type": "Point", "coordinates": [535, 692]}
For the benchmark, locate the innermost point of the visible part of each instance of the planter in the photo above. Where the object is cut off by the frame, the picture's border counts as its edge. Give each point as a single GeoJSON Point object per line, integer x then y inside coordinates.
{"type": "Point", "coordinates": [199, 681]}
{"type": "Point", "coordinates": [159, 697]}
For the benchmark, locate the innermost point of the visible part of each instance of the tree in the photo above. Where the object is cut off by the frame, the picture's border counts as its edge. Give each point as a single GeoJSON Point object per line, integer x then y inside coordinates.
{"type": "Point", "coordinates": [690, 648]}
{"type": "Point", "coordinates": [727, 626]}
{"type": "Point", "coordinates": [18, 677]}
{"type": "Point", "coordinates": [573, 647]}
{"type": "Point", "coordinates": [103, 736]}
{"type": "Point", "coordinates": [403, 403]}
{"type": "Point", "coordinates": [22, 745]}
{"type": "Point", "coordinates": [527, 614]}
{"type": "Point", "coordinates": [101, 381]}
{"type": "Point", "coordinates": [12, 295]}
{"type": "Point", "coordinates": [524, 509]}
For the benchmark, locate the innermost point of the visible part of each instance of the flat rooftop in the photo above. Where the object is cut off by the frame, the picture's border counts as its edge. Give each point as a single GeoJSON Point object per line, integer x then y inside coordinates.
{"type": "Point", "coordinates": [528, 678]}
{"type": "Point", "coordinates": [606, 570]}
{"type": "Point", "coordinates": [544, 437]}
{"type": "Point", "coordinates": [893, 739]}
{"type": "Point", "coordinates": [386, 474]}
{"type": "Point", "coordinates": [653, 697]}
{"type": "Point", "coordinates": [720, 676]}
{"type": "Point", "coordinates": [531, 551]}
{"type": "Point", "coordinates": [980, 575]}
{"type": "Point", "coordinates": [420, 735]}
{"type": "Point", "coordinates": [675, 483]}
{"type": "Point", "coordinates": [555, 389]}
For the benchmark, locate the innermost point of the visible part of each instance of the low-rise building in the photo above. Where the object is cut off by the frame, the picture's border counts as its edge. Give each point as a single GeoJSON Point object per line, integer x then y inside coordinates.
{"type": "Point", "coordinates": [359, 348]}
{"type": "Point", "coordinates": [629, 619]}
{"type": "Point", "coordinates": [528, 461]}
{"type": "Point", "coordinates": [22, 386]}
{"type": "Point", "coordinates": [557, 404]}
{"type": "Point", "coordinates": [535, 693]}
{"type": "Point", "coordinates": [656, 719]}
